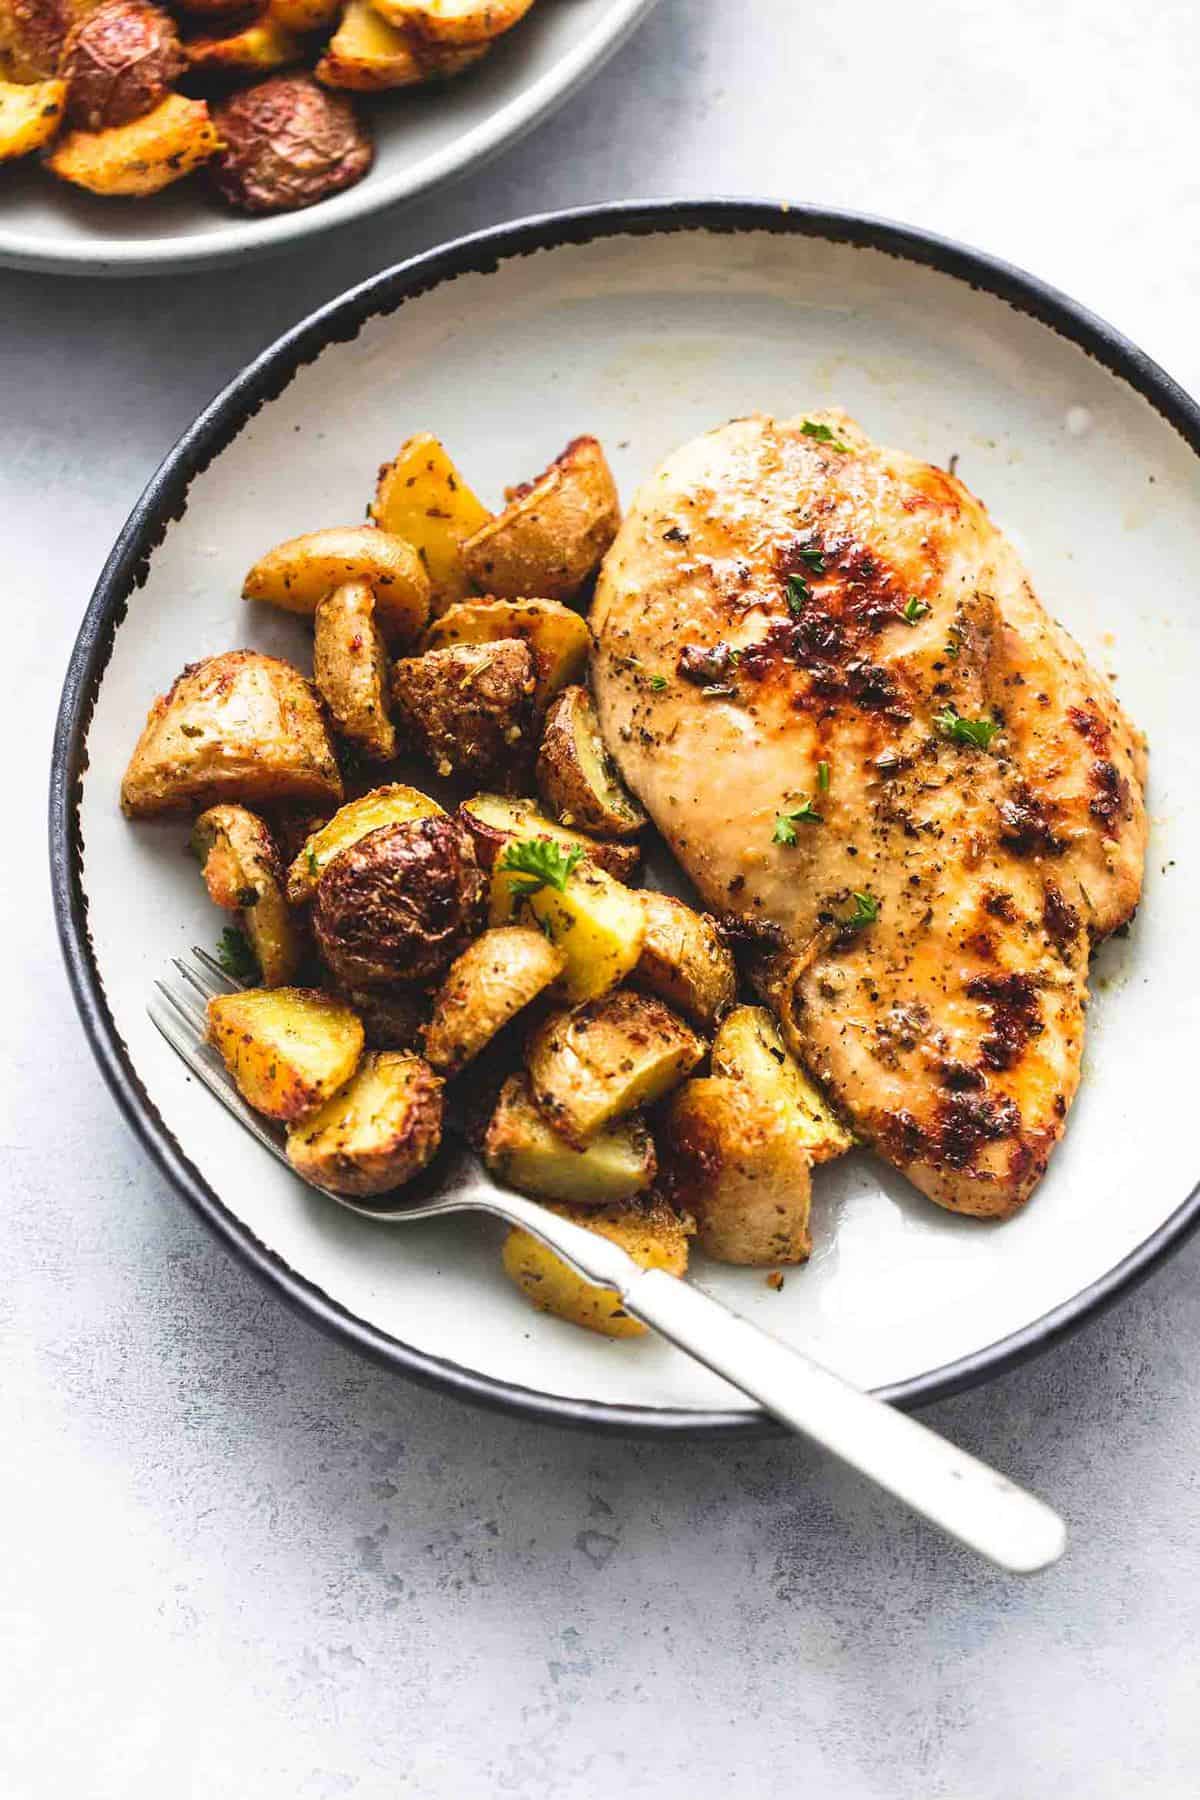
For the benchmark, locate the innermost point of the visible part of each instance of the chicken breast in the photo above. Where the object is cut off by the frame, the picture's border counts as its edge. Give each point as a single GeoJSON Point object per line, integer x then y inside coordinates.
{"type": "Point", "coordinates": [825, 674]}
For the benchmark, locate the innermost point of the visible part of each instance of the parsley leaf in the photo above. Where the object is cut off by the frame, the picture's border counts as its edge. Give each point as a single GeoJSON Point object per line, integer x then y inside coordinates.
{"type": "Point", "coordinates": [979, 732]}
{"type": "Point", "coordinates": [823, 435]}
{"type": "Point", "coordinates": [813, 559]}
{"type": "Point", "coordinates": [313, 866]}
{"type": "Point", "coordinates": [823, 777]}
{"type": "Point", "coordinates": [539, 862]}
{"type": "Point", "coordinates": [786, 822]}
{"type": "Point", "coordinates": [914, 609]}
{"type": "Point", "coordinates": [866, 911]}
{"type": "Point", "coordinates": [235, 955]}
{"type": "Point", "coordinates": [797, 593]}
{"type": "Point", "coordinates": [658, 683]}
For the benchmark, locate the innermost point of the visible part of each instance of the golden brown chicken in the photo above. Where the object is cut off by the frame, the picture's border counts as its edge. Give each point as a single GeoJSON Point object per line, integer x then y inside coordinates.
{"type": "Point", "coordinates": [824, 672]}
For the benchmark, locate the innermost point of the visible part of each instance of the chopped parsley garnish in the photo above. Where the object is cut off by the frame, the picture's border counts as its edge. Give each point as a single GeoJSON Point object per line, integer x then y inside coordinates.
{"type": "Point", "coordinates": [951, 724]}
{"type": "Point", "coordinates": [786, 822]}
{"type": "Point", "coordinates": [914, 609]}
{"type": "Point", "coordinates": [813, 559]}
{"type": "Point", "coordinates": [954, 642]}
{"type": "Point", "coordinates": [797, 593]}
{"type": "Point", "coordinates": [658, 683]}
{"type": "Point", "coordinates": [313, 864]}
{"type": "Point", "coordinates": [539, 862]}
{"type": "Point", "coordinates": [823, 777]}
{"type": "Point", "coordinates": [866, 911]}
{"type": "Point", "coordinates": [823, 435]}
{"type": "Point", "coordinates": [235, 955]}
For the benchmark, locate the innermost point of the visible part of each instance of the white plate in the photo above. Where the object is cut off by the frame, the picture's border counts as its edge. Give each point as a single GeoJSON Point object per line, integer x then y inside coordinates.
{"type": "Point", "coordinates": [421, 137]}
{"type": "Point", "coordinates": [645, 325]}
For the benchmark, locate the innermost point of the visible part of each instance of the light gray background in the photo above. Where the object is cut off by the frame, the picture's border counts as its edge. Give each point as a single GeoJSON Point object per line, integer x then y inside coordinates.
{"type": "Point", "coordinates": [237, 1561]}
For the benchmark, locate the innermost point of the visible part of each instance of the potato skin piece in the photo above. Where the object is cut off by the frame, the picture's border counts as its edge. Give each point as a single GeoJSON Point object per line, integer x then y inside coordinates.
{"type": "Point", "coordinates": [288, 1049]}
{"type": "Point", "coordinates": [241, 726]}
{"type": "Point", "coordinates": [485, 988]}
{"type": "Point", "coordinates": [392, 1016]}
{"type": "Point", "coordinates": [377, 1132]}
{"type": "Point", "coordinates": [142, 157]}
{"type": "Point", "coordinates": [454, 22]}
{"type": "Point", "coordinates": [495, 820]}
{"type": "Point", "coordinates": [119, 61]}
{"type": "Point", "coordinates": [734, 1160]}
{"type": "Point", "coordinates": [655, 1236]}
{"type": "Point", "coordinates": [619, 1053]}
{"type": "Point", "coordinates": [554, 531]}
{"type": "Point", "coordinates": [421, 496]}
{"type": "Point", "coordinates": [575, 775]}
{"type": "Point", "coordinates": [400, 903]}
{"type": "Point", "coordinates": [287, 143]}
{"type": "Point", "coordinates": [350, 669]}
{"type": "Point", "coordinates": [297, 574]}
{"type": "Point", "coordinates": [557, 637]}
{"type": "Point", "coordinates": [393, 803]}
{"type": "Point", "coordinates": [368, 55]}
{"type": "Point", "coordinates": [244, 874]}
{"type": "Point", "coordinates": [684, 960]}
{"type": "Point", "coordinates": [32, 34]}
{"type": "Point", "coordinates": [31, 114]}
{"type": "Point", "coordinates": [521, 1148]}
{"type": "Point", "coordinates": [469, 709]}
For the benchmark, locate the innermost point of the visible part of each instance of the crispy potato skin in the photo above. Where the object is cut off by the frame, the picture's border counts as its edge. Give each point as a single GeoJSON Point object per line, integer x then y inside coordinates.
{"type": "Point", "coordinates": [521, 1148]}
{"type": "Point", "coordinates": [495, 820]}
{"type": "Point", "coordinates": [379, 1131]}
{"type": "Point", "coordinates": [350, 669]}
{"type": "Point", "coordinates": [469, 709]}
{"type": "Point", "coordinates": [735, 1161]}
{"type": "Point", "coordinates": [31, 114]}
{"type": "Point", "coordinates": [493, 980]}
{"type": "Point", "coordinates": [244, 874]}
{"type": "Point", "coordinates": [259, 47]}
{"type": "Point", "coordinates": [32, 34]}
{"type": "Point", "coordinates": [298, 574]}
{"type": "Point", "coordinates": [369, 55]}
{"type": "Point", "coordinates": [421, 497]}
{"type": "Point", "coordinates": [287, 1049]}
{"type": "Point", "coordinates": [400, 903]}
{"type": "Point", "coordinates": [142, 157]}
{"type": "Point", "coordinates": [119, 61]}
{"type": "Point", "coordinates": [684, 960]}
{"type": "Point", "coordinates": [455, 22]}
{"type": "Point", "coordinates": [553, 533]}
{"type": "Point", "coordinates": [241, 726]}
{"type": "Point", "coordinates": [394, 803]}
{"type": "Point", "coordinates": [749, 1048]}
{"type": "Point", "coordinates": [603, 1060]}
{"type": "Point", "coordinates": [575, 775]}
{"type": "Point", "coordinates": [392, 1017]}
{"type": "Point", "coordinates": [654, 1235]}
{"type": "Point", "coordinates": [557, 637]}
{"type": "Point", "coordinates": [286, 144]}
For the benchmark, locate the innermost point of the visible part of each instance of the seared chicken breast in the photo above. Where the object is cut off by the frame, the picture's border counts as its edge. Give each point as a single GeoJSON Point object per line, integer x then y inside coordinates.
{"type": "Point", "coordinates": [824, 672]}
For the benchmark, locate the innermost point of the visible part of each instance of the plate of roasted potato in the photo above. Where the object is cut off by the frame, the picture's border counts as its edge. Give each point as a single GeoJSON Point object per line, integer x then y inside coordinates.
{"type": "Point", "coordinates": [139, 136]}
{"type": "Point", "coordinates": [357, 706]}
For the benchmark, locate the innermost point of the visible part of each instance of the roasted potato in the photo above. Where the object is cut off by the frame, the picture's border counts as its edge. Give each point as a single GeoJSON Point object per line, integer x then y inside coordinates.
{"type": "Point", "coordinates": [455, 22]}
{"type": "Point", "coordinates": [394, 804]}
{"type": "Point", "coordinates": [285, 144]}
{"type": "Point", "coordinates": [142, 157]}
{"type": "Point", "coordinates": [421, 497]}
{"type": "Point", "coordinates": [593, 920]}
{"type": "Point", "coordinates": [749, 1048]}
{"type": "Point", "coordinates": [606, 1059]}
{"type": "Point", "coordinates": [376, 1133]}
{"type": "Point", "coordinates": [288, 1049]}
{"type": "Point", "coordinates": [350, 669]}
{"type": "Point", "coordinates": [485, 988]}
{"type": "Point", "coordinates": [298, 574]}
{"type": "Point", "coordinates": [523, 1149]}
{"type": "Point", "coordinates": [392, 1016]}
{"type": "Point", "coordinates": [262, 45]}
{"type": "Point", "coordinates": [654, 1235]}
{"type": "Point", "coordinates": [31, 114]}
{"type": "Point", "coordinates": [553, 532]}
{"type": "Point", "coordinates": [469, 708]}
{"type": "Point", "coordinates": [684, 960]}
{"type": "Point", "coordinates": [557, 637]}
{"type": "Point", "coordinates": [119, 61]}
{"type": "Point", "coordinates": [736, 1161]}
{"type": "Point", "coordinates": [243, 874]}
{"type": "Point", "coordinates": [400, 903]}
{"type": "Point", "coordinates": [575, 774]}
{"type": "Point", "coordinates": [32, 34]}
{"type": "Point", "coordinates": [241, 726]}
{"type": "Point", "coordinates": [305, 16]}
{"type": "Point", "coordinates": [367, 55]}
{"type": "Point", "coordinates": [494, 820]}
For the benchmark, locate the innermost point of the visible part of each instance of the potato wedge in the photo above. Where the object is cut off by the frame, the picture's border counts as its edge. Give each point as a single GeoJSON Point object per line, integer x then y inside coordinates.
{"type": "Point", "coordinates": [350, 669]}
{"type": "Point", "coordinates": [263, 45]}
{"type": "Point", "coordinates": [523, 1149]}
{"type": "Point", "coordinates": [595, 922]}
{"type": "Point", "coordinates": [455, 22]}
{"type": "Point", "coordinates": [557, 637]}
{"type": "Point", "coordinates": [736, 1161]}
{"type": "Point", "coordinates": [554, 531]}
{"type": "Point", "coordinates": [288, 1049]}
{"type": "Point", "coordinates": [575, 774]}
{"type": "Point", "coordinates": [243, 874]}
{"type": "Point", "coordinates": [469, 709]}
{"type": "Point", "coordinates": [485, 988]}
{"type": "Point", "coordinates": [368, 55]}
{"type": "Point", "coordinates": [749, 1048]}
{"type": "Point", "coordinates": [377, 1132]}
{"type": "Point", "coordinates": [298, 574]}
{"type": "Point", "coordinates": [394, 804]}
{"type": "Point", "coordinates": [654, 1235]}
{"type": "Point", "coordinates": [494, 820]}
{"type": "Point", "coordinates": [420, 496]}
{"type": "Point", "coordinates": [684, 960]}
{"type": "Point", "coordinates": [241, 726]}
{"type": "Point", "coordinates": [142, 157]}
{"type": "Point", "coordinates": [606, 1059]}
{"type": "Point", "coordinates": [31, 115]}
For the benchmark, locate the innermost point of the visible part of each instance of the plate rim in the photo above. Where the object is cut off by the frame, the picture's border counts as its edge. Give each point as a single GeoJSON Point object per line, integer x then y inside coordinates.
{"type": "Point", "coordinates": [114, 257]}
{"type": "Point", "coordinates": [164, 500]}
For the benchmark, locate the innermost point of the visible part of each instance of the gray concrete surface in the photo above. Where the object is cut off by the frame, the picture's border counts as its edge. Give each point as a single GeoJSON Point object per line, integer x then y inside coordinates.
{"type": "Point", "coordinates": [236, 1560]}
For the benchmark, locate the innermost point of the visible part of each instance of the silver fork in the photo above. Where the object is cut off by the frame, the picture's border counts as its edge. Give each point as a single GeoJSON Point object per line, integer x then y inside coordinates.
{"type": "Point", "coordinates": [974, 1503]}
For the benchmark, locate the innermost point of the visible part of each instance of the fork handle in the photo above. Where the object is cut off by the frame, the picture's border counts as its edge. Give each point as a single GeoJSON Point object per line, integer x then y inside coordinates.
{"type": "Point", "coordinates": [975, 1504]}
